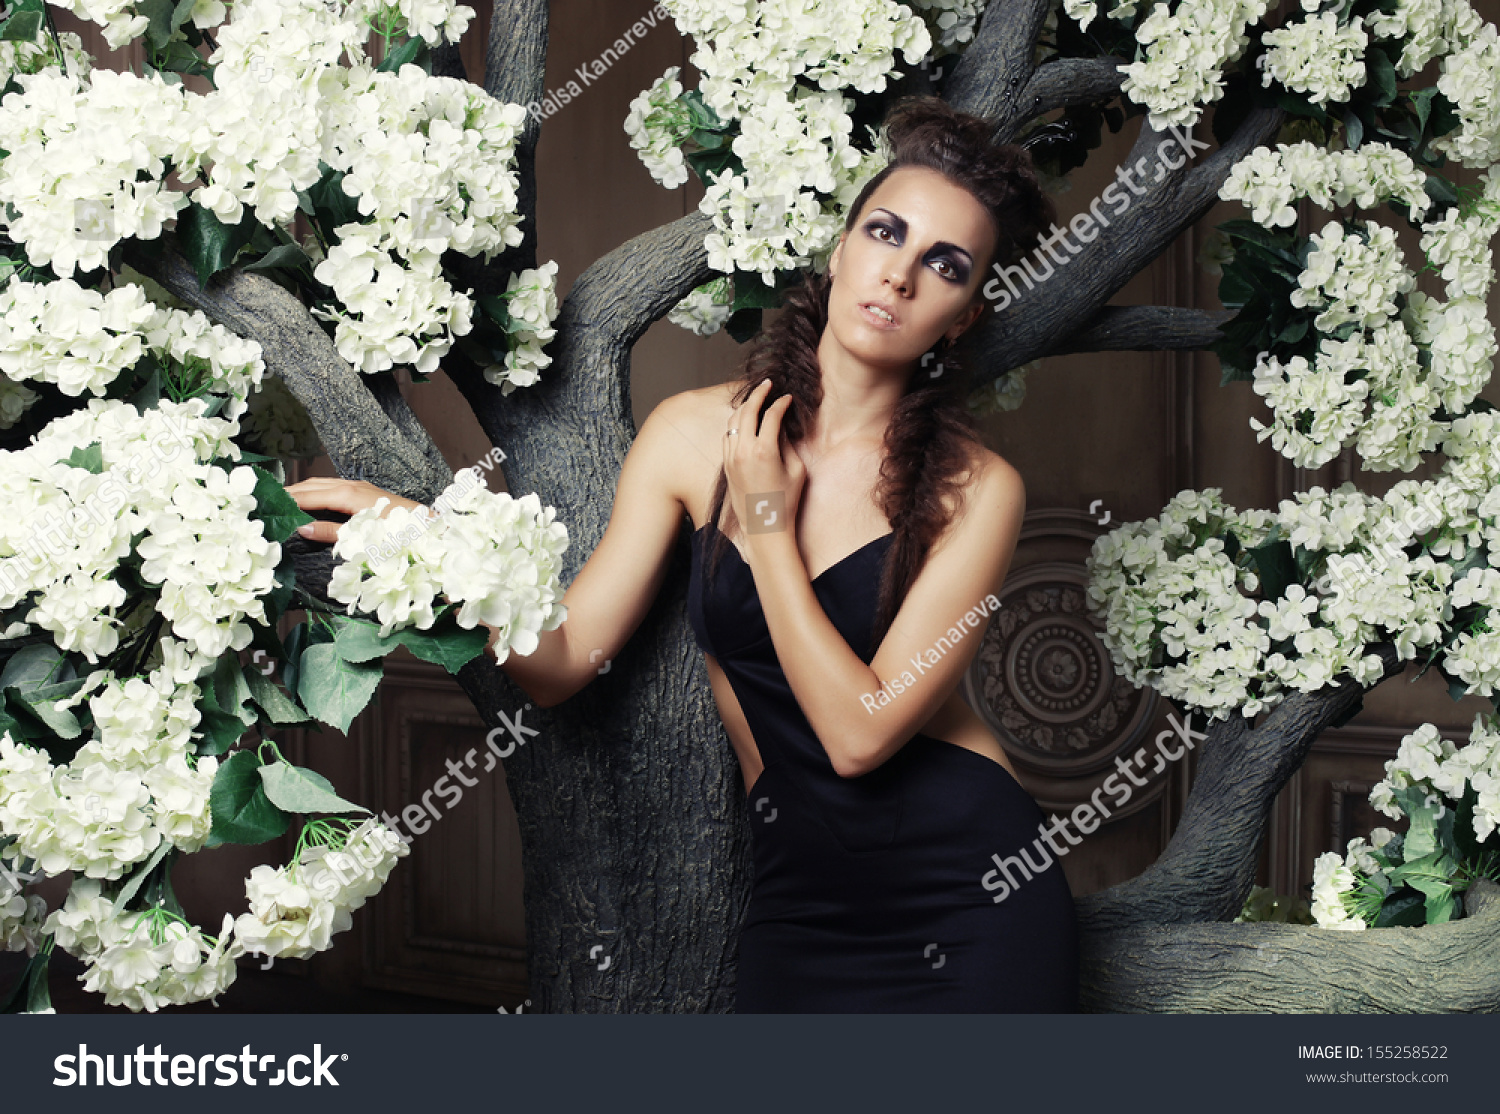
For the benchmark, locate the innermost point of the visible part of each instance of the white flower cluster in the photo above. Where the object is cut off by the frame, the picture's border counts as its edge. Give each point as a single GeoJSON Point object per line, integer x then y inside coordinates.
{"type": "Point", "coordinates": [1354, 275]}
{"type": "Point", "coordinates": [1317, 56]}
{"type": "Point", "coordinates": [705, 310]}
{"type": "Point", "coordinates": [1270, 181]}
{"type": "Point", "coordinates": [21, 916]}
{"type": "Point", "coordinates": [81, 340]}
{"type": "Point", "coordinates": [1427, 29]}
{"type": "Point", "coordinates": [430, 159]}
{"type": "Point", "coordinates": [1357, 278]}
{"type": "Point", "coordinates": [120, 20]}
{"type": "Point", "coordinates": [1168, 583]}
{"type": "Point", "coordinates": [1433, 765]}
{"type": "Point", "coordinates": [135, 784]}
{"type": "Point", "coordinates": [1169, 589]}
{"type": "Point", "coordinates": [1332, 879]}
{"type": "Point", "coordinates": [142, 960]}
{"type": "Point", "coordinates": [276, 424]}
{"type": "Point", "coordinates": [657, 125]}
{"type": "Point", "coordinates": [498, 557]}
{"type": "Point", "coordinates": [392, 311]}
{"type": "Point", "coordinates": [30, 57]}
{"type": "Point", "coordinates": [532, 303]}
{"type": "Point", "coordinates": [1468, 80]}
{"type": "Point", "coordinates": [1188, 47]}
{"type": "Point", "coordinates": [296, 909]}
{"type": "Point", "coordinates": [801, 170]}
{"type": "Point", "coordinates": [1082, 12]}
{"type": "Point", "coordinates": [68, 529]}
{"type": "Point", "coordinates": [88, 161]}
{"type": "Point", "coordinates": [950, 23]}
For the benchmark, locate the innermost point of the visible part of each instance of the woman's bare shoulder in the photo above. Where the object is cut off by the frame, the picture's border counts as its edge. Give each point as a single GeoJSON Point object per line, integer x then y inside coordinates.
{"type": "Point", "coordinates": [695, 421]}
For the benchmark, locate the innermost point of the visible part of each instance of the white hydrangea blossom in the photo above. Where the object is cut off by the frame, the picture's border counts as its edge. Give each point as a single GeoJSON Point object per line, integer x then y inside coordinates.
{"type": "Point", "coordinates": [143, 960]}
{"type": "Point", "coordinates": [705, 309]}
{"type": "Point", "coordinates": [69, 528]}
{"type": "Point", "coordinates": [391, 311]}
{"type": "Point", "coordinates": [1468, 80]}
{"type": "Point", "coordinates": [1353, 277]}
{"type": "Point", "coordinates": [121, 22]}
{"type": "Point", "coordinates": [801, 170]}
{"type": "Point", "coordinates": [21, 915]}
{"type": "Point", "coordinates": [30, 57]}
{"type": "Point", "coordinates": [1317, 56]}
{"type": "Point", "coordinates": [657, 125]}
{"type": "Point", "coordinates": [1186, 52]}
{"type": "Point", "coordinates": [1270, 181]}
{"type": "Point", "coordinates": [75, 153]}
{"type": "Point", "coordinates": [1331, 881]}
{"type": "Point", "coordinates": [295, 910]}
{"type": "Point", "coordinates": [532, 303]}
{"type": "Point", "coordinates": [950, 23]}
{"type": "Point", "coordinates": [1428, 28]}
{"type": "Point", "coordinates": [496, 556]}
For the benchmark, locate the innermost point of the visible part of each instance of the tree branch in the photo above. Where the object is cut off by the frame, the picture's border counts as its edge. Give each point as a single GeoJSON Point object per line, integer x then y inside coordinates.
{"type": "Point", "coordinates": [395, 454]}
{"type": "Point", "coordinates": [1060, 83]}
{"type": "Point", "coordinates": [1146, 328]}
{"type": "Point", "coordinates": [1000, 60]}
{"type": "Point", "coordinates": [1159, 211]}
{"type": "Point", "coordinates": [1208, 866]}
{"type": "Point", "coordinates": [1265, 967]}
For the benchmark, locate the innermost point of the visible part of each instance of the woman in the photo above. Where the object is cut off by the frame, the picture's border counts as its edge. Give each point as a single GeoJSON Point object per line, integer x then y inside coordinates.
{"type": "Point", "coordinates": [886, 818]}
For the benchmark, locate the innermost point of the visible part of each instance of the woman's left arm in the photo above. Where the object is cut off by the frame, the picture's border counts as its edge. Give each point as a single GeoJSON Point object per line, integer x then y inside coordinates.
{"type": "Point", "coordinates": [862, 713]}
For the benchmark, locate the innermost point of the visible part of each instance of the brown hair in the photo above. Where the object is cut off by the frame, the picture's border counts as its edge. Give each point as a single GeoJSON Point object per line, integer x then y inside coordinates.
{"type": "Point", "coordinates": [931, 441]}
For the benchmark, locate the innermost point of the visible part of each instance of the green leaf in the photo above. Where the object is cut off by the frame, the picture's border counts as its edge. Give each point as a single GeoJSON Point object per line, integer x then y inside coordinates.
{"type": "Point", "coordinates": [413, 50]}
{"type": "Point", "coordinates": [1407, 909]}
{"type": "Point", "coordinates": [209, 243]}
{"type": "Point", "coordinates": [335, 690]}
{"type": "Point", "coordinates": [32, 666]}
{"type": "Point", "coordinates": [282, 255]}
{"type": "Point", "coordinates": [90, 458]}
{"type": "Point", "coordinates": [218, 731]}
{"type": "Point", "coordinates": [331, 206]}
{"type": "Point", "coordinates": [242, 813]}
{"type": "Point", "coordinates": [1381, 79]}
{"type": "Point", "coordinates": [279, 707]}
{"type": "Point", "coordinates": [300, 790]}
{"type": "Point", "coordinates": [159, 12]}
{"type": "Point", "coordinates": [451, 648]}
{"type": "Point", "coordinates": [230, 690]}
{"type": "Point", "coordinates": [359, 640]}
{"type": "Point", "coordinates": [21, 27]}
{"type": "Point", "coordinates": [132, 887]}
{"type": "Point", "coordinates": [1354, 130]}
{"type": "Point", "coordinates": [277, 510]}
{"type": "Point", "coordinates": [39, 703]}
{"type": "Point", "coordinates": [148, 395]}
{"type": "Point", "coordinates": [30, 992]}
{"type": "Point", "coordinates": [1276, 566]}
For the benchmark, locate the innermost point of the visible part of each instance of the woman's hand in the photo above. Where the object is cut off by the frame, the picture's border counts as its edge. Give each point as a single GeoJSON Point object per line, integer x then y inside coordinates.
{"type": "Point", "coordinates": [332, 493]}
{"type": "Point", "coordinates": [758, 470]}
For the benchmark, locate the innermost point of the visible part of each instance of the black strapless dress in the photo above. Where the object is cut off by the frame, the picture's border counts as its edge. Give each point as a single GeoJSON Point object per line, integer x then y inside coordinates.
{"type": "Point", "coordinates": [876, 894]}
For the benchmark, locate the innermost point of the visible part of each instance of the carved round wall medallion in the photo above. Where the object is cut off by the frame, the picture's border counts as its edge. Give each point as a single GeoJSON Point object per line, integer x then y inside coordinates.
{"type": "Point", "coordinates": [1045, 683]}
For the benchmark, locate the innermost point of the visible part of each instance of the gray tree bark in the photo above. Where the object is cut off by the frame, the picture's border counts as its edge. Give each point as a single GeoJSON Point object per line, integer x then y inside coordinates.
{"type": "Point", "coordinates": [632, 821]}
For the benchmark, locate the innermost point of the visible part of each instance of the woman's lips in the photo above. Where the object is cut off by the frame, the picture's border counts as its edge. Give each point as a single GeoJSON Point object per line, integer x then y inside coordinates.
{"type": "Point", "coordinates": [876, 319]}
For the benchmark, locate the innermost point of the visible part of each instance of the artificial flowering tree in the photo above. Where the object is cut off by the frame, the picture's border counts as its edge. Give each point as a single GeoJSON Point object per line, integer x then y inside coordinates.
{"type": "Point", "coordinates": [632, 826]}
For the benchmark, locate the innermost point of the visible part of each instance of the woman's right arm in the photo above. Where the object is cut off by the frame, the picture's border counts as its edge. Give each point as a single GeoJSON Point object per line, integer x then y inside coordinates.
{"type": "Point", "coordinates": [616, 585]}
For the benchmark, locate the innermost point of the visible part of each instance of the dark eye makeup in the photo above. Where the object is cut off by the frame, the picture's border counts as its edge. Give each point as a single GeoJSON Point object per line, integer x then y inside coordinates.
{"type": "Point", "coordinates": [942, 251]}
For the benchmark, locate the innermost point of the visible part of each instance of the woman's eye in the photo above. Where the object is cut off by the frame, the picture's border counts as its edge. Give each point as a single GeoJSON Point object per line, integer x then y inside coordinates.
{"type": "Point", "coordinates": [874, 228]}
